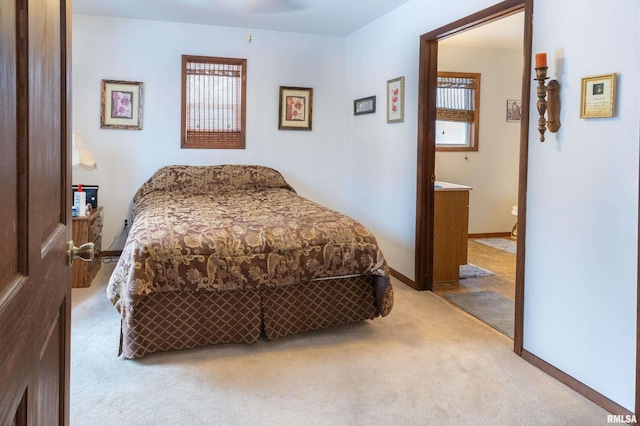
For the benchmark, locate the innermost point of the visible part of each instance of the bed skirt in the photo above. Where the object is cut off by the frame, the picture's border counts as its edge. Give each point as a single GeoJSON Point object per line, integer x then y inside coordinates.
{"type": "Point", "coordinates": [180, 320]}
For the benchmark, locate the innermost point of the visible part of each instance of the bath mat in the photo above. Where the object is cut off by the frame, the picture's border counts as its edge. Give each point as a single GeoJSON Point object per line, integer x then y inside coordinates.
{"type": "Point", "coordinates": [472, 271]}
{"type": "Point", "coordinates": [489, 307]}
{"type": "Point", "coordinates": [503, 244]}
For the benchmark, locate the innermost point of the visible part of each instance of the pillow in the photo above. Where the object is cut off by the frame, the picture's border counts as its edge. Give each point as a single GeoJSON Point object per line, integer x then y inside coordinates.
{"type": "Point", "coordinates": [211, 180]}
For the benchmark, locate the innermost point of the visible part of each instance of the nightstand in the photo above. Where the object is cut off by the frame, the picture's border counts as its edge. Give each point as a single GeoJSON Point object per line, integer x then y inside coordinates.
{"type": "Point", "coordinates": [87, 229]}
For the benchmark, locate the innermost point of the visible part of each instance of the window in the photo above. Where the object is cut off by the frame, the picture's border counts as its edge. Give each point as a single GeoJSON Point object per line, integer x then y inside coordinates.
{"type": "Point", "coordinates": [213, 102]}
{"type": "Point", "coordinates": [457, 111]}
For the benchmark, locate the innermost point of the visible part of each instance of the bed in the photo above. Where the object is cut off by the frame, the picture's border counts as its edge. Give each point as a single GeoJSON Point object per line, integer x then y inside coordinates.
{"type": "Point", "coordinates": [221, 254]}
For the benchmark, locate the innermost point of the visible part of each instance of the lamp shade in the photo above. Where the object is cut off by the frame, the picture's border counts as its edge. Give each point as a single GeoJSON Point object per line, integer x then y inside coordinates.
{"type": "Point", "coordinates": [80, 155]}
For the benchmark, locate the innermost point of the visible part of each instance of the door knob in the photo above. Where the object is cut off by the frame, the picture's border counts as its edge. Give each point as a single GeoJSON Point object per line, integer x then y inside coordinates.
{"type": "Point", "coordinates": [84, 252]}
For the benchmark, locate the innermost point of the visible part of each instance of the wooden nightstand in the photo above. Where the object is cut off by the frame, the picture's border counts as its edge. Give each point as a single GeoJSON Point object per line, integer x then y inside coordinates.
{"type": "Point", "coordinates": [87, 229]}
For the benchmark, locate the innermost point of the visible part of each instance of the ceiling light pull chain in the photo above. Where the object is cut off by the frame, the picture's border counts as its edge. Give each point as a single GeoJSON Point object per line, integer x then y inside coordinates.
{"type": "Point", "coordinates": [250, 18]}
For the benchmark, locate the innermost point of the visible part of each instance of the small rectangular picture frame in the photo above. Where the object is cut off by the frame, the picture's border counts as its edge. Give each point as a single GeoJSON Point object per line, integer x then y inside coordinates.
{"type": "Point", "coordinates": [121, 106]}
{"type": "Point", "coordinates": [364, 105]}
{"type": "Point", "coordinates": [296, 108]}
{"type": "Point", "coordinates": [598, 96]}
{"type": "Point", "coordinates": [395, 100]}
{"type": "Point", "coordinates": [514, 110]}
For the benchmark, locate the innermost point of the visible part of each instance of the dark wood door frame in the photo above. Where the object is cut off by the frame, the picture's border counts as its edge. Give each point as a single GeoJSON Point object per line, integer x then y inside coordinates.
{"type": "Point", "coordinates": [426, 145]}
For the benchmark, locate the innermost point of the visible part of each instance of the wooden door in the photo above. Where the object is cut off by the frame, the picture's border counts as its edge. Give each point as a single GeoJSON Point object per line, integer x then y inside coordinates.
{"type": "Point", "coordinates": [35, 284]}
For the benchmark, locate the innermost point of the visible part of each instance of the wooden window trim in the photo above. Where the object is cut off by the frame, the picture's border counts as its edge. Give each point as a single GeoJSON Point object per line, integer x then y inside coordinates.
{"type": "Point", "coordinates": [475, 128]}
{"type": "Point", "coordinates": [214, 139]}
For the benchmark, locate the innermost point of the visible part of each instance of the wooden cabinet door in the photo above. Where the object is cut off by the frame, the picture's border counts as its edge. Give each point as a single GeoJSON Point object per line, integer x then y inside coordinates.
{"type": "Point", "coordinates": [35, 212]}
{"type": "Point", "coordinates": [450, 234]}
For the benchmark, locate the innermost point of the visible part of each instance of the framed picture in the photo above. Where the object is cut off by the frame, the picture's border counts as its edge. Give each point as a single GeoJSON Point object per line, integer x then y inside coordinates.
{"type": "Point", "coordinates": [598, 96]}
{"type": "Point", "coordinates": [121, 105]}
{"type": "Point", "coordinates": [364, 105]}
{"type": "Point", "coordinates": [514, 110]}
{"type": "Point", "coordinates": [395, 100]}
{"type": "Point", "coordinates": [295, 108]}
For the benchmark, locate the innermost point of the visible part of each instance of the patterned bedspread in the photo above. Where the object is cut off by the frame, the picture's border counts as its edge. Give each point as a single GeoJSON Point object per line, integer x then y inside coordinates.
{"type": "Point", "coordinates": [217, 228]}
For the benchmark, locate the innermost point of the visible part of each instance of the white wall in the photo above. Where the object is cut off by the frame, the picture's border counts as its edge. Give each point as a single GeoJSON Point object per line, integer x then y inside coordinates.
{"type": "Point", "coordinates": [581, 251]}
{"type": "Point", "coordinates": [492, 171]}
{"type": "Point", "coordinates": [582, 218]}
{"type": "Point", "coordinates": [148, 51]}
{"type": "Point", "coordinates": [381, 158]}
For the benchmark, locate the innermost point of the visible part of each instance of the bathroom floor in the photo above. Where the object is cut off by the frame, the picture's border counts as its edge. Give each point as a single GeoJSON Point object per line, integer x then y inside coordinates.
{"type": "Point", "coordinates": [501, 263]}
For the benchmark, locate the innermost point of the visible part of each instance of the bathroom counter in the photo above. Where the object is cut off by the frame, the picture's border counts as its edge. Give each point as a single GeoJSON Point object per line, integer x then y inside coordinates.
{"type": "Point", "coordinates": [450, 230]}
{"type": "Point", "coordinates": [446, 186]}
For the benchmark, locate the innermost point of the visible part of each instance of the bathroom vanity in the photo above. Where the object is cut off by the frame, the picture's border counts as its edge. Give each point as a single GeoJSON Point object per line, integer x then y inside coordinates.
{"type": "Point", "coordinates": [450, 230]}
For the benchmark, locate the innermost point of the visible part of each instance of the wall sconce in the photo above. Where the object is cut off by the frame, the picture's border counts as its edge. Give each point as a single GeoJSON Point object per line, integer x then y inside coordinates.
{"type": "Point", "coordinates": [552, 89]}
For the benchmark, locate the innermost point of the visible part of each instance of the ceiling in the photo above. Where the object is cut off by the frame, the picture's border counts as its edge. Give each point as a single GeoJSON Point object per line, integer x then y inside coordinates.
{"type": "Point", "coordinates": [505, 33]}
{"type": "Point", "coordinates": [331, 17]}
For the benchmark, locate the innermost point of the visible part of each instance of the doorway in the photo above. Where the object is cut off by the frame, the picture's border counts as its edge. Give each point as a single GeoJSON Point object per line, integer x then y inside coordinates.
{"type": "Point", "coordinates": [492, 55]}
{"type": "Point", "coordinates": [426, 145]}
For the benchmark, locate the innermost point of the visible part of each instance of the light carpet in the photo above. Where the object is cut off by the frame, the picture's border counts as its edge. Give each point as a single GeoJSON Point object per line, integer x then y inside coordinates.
{"type": "Point", "coordinates": [427, 363]}
{"type": "Point", "coordinates": [489, 307]}
{"type": "Point", "coordinates": [503, 244]}
{"type": "Point", "coordinates": [473, 271]}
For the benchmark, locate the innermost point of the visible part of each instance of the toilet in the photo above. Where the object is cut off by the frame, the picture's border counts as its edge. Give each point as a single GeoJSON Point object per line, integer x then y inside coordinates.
{"type": "Point", "coordinates": [514, 230]}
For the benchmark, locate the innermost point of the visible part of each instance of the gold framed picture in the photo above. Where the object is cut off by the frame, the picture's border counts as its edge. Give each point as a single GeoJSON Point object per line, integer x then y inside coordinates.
{"type": "Point", "coordinates": [121, 105]}
{"type": "Point", "coordinates": [295, 108]}
{"type": "Point", "coordinates": [598, 98]}
{"type": "Point", "coordinates": [395, 100]}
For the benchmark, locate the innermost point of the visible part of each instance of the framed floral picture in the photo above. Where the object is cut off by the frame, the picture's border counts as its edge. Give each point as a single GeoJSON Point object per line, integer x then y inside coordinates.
{"type": "Point", "coordinates": [295, 108]}
{"type": "Point", "coordinates": [121, 105]}
{"type": "Point", "coordinates": [395, 100]}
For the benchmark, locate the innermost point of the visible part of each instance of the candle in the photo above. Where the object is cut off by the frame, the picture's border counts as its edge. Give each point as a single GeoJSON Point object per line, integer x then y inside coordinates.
{"type": "Point", "coordinates": [541, 60]}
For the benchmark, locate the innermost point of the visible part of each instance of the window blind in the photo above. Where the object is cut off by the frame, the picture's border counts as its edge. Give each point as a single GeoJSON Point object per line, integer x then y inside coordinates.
{"type": "Point", "coordinates": [456, 99]}
{"type": "Point", "coordinates": [213, 99]}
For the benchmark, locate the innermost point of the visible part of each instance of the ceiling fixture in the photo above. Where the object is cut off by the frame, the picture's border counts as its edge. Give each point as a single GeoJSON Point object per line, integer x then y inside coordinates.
{"type": "Point", "coordinates": [250, 20]}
